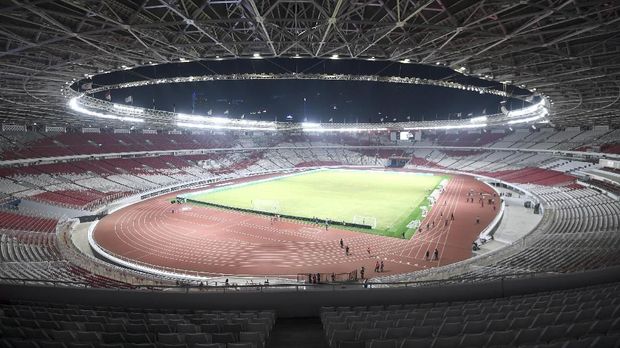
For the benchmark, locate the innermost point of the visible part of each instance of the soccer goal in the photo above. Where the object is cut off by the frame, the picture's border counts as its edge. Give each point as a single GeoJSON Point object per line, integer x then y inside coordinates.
{"type": "Point", "coordinates": [266, 205]}
{"type": "Point", "coordinates": [365, 220]}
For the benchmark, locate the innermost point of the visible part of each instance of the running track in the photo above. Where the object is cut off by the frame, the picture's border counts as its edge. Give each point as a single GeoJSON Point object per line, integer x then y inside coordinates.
{"type": "Point", "coordinates": [225, 242]}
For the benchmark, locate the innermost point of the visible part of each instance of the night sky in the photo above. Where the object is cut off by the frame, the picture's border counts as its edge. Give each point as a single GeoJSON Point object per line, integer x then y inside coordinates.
{"type": "Point", "coordinates": [324, 100]}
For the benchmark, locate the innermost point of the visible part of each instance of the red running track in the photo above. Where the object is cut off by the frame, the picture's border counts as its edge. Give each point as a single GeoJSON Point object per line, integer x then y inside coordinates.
{"type": "Point", "coordinates": [225, 242]}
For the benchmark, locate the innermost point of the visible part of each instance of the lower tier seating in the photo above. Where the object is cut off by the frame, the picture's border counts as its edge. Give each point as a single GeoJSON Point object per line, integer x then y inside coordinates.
{"type": "Point", "coordinates": [67, 326]}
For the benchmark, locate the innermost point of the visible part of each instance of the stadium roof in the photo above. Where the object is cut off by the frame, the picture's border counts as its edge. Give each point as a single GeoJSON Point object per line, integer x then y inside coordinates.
{"type": "Point", "coordinates": [569, 50]}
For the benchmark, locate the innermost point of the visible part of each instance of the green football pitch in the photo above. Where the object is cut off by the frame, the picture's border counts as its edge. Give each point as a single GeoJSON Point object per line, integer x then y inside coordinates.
{"type": "Point", "coordinates": [387, 200]}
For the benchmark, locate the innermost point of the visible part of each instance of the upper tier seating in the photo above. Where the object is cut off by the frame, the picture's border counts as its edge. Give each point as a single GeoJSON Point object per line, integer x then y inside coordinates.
{"type": "Point", "coordinates": [16, 145]}
{"type": "Point", "coordinates": [467, 138]}
{"type": "Point", "coordinates": [68, 144]}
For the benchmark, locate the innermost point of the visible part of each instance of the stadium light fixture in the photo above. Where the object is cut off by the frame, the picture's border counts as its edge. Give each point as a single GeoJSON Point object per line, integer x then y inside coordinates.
{"type": "Point", "coordinates": [310, 125]}
{"type": "Point", "coordinates": [217, 126]}
{"type": "Point", "coordinates": [335, 56]}
{"type": "Point", "coordinates": [527, 120]}
{"type": "Point", "coordinates": [74, 105]}
{"type": "Point", "coordinates": [256, 55]}
{"type": "Point", "coordinates": [215, 122]}
{"type": "Point", "coordinates": [527, 110]}
{"type": "Point", "coordinates": [478, 119]}
{"type": "Point", "coordinates": [465, 126]}
{"type": "Point", "coordinates": [128, 109]}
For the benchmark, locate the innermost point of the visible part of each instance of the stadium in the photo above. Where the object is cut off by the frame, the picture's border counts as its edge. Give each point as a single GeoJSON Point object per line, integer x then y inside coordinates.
{"type": "Point", "coordinates": [280, 173]}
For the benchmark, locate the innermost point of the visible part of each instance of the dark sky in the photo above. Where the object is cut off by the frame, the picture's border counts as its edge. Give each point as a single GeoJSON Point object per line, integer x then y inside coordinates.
{"type": "Point", "coordinates": [324, 100]}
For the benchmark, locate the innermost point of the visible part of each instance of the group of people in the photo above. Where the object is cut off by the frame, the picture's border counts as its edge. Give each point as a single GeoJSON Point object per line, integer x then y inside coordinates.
{"type": "Point", "coordinates": [315, 278]}
{"type": "Point", "coordinates": [427, 255]}
{"type": "Point", "coordinates": [274, 218]}
{"type": "Point", "coordinates": [318, 222]}
{"type": "Point", "coordinates": [490, 201]}
{"type": "Point", "coordinates": [378, 268]}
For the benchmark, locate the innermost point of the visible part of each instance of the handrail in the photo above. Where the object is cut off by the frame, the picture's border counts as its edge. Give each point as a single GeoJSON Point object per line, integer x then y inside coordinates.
{"type": "Point", "coordinates": [286, 286]}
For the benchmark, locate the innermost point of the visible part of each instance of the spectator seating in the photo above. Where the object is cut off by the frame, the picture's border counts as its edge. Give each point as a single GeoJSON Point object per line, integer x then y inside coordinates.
{"type": "Point", "coordinates": [584, 317]}
{"type": "Point", "coordinates": [61, 325]}
{"type": "Point", "coordinates": [20, 246]}
{"type": "Point", "coordinates": [17, 222]}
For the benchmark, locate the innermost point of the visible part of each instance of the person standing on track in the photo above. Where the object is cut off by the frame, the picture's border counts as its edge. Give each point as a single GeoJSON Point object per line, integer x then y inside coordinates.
{"type": "Point", "coordinates": [381, 267]}
{"type": "Point", "coordinates": [346, 250]}
{"type": "Point", "coordinates": [341, 243]}
{"type": "Point", "coordinates": [428, 253]}
{"type": "Point", "coordinates": [436, 254]}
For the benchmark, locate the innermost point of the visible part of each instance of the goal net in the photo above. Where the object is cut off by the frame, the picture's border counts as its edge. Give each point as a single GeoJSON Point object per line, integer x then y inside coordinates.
{"type": "Point", "coordinates": [365, 220]}
{"type": "Point", "coordinates": [266, 205]}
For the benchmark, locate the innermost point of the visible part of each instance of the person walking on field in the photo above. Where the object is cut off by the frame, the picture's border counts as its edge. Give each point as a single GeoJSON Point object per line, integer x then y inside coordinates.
{"type": "Point", "coordinates": [368, 250]}
{"type": "Point", "coordinates": [436, 254]}
{"type": "Point", "coordinates": [346, 250]}
{"type": "Point", "coordinates": [381, 266]}
{"type": "Point", "coordinates": [377, 266]}
{"type": "Point", "coordinates": [341, 243]}
{"type": "Point", "coordinates": [428, 254]}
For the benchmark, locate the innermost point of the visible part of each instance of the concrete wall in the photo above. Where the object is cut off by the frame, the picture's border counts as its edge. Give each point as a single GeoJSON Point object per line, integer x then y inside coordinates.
{"type": "Point", "coordinates": [306, 303]}
{"type": "Point", "coordinates": [52, 210]}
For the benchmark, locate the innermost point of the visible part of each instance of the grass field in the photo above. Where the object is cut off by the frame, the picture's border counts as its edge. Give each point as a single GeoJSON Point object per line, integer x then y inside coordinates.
{"type": "Point", "coordinates": [392, 198]}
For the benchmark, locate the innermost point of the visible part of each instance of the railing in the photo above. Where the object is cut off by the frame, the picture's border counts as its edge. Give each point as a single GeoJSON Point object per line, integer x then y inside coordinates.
{"type": "Point", "coordinates": [263, 287]}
